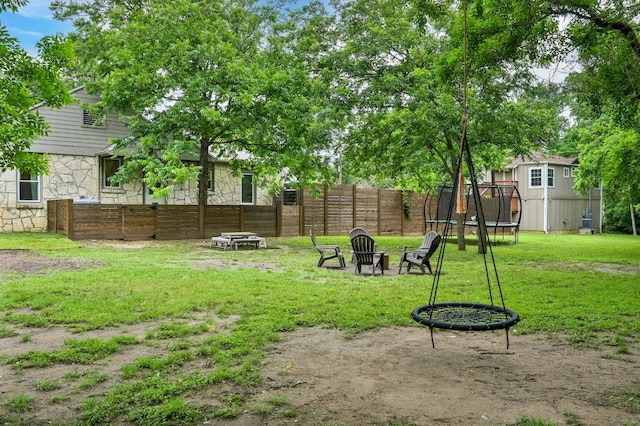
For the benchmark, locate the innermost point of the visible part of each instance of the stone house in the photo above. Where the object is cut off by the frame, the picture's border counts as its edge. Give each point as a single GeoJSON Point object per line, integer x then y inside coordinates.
{"type": "Point", "coordinates": [548, 198]}
{"type": "Point", "coordinates": [80, 165]}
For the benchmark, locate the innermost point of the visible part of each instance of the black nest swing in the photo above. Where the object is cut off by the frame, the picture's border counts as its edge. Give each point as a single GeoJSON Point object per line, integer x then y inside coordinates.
{"type": "Point", "coordinates": [466, 316]}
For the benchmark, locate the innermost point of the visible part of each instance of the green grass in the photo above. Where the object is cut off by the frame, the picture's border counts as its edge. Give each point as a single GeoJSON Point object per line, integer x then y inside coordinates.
{"type": "Point", "coordinates": [47, 386]}
{"type": "Point", "coordinates": [579, 287]}
{"type": "Point", "coordinates": [20, 403]}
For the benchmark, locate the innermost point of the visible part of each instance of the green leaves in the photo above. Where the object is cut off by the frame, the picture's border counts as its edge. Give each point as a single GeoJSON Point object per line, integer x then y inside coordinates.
{"type": "Point", "coordinates": [24, 83]}
{"type": "Point", "coordinates": [609, 156]}
{"type": "Point", "coordinates": [221, 78]}
{"type": "Point", "coordinates": [402, 68]}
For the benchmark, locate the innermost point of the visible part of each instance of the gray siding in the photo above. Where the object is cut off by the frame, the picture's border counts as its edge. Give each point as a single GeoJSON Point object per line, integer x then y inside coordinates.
{"type": "Point", "coordinates": [68, 136]}
{"type": "Point", "coordinates": [565, 206]}
{"type": "Point", "coordinates": [532, 214]}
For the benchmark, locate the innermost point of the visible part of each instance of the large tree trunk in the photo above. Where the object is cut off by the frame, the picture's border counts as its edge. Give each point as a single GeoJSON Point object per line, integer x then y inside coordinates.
{"type": "Point", "coordinates": [203, 176]}
{"type": "Point", "coordinates": [633, 220]}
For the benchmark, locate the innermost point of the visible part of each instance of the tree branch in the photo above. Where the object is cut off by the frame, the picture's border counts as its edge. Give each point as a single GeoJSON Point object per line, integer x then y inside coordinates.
{"type": "Point", "coordinates": [587, 14]}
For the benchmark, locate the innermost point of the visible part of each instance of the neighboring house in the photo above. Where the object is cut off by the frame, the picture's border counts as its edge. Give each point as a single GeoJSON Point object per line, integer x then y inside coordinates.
{"type": "Point", "coordinates": [549, 201]}
{"type": "Point", "coordinates": [81, 165]}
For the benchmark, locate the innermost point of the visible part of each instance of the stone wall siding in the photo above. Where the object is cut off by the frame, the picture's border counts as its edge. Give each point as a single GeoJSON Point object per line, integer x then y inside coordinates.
{"type": "Point", "coordinates": [75, 177]}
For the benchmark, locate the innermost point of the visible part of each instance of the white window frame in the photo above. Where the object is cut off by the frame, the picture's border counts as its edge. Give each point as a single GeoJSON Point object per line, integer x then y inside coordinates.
{"type": "Point", "coordinates": [551, 177]}
{"type": "Point", "coordinates": [38, 186]}
{"type": "Point", "coordinates": [211, 183]}
{"type": "Point", "coordinates": [105, 178]}
{"type": "Point", "coordinates": [573, 172]}
{"type": "Point", "coordinates": [566, 172]}
{"type": "Point", "coordinates": [242, 189]}
{"type": "Point", "coordinates": [540, 178]}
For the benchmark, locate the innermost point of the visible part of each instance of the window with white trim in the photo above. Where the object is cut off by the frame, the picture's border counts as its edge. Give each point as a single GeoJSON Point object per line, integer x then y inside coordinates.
{"type": "Point", "coordinates": [535, 177]}
{"type": "Point", "coordinates": [211, 185]}
{"type": "Point", "coordinates": [551, 177]}
{"type": "Point", "coordinates": [28, 187]}
{"type": "Point", "coordinates": [109, 168]}
{"type": "Point", "coordinates": [247, 188]}
{"type": "Point", "coordinates": [566, 172]}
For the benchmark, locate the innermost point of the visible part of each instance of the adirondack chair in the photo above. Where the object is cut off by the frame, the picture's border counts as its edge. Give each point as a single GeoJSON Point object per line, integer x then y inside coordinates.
{"type": "Point", "coordinates": [354, 233]}
{"type": "Point", "coordinates": [427, 240]}
{"type": "Point", "coordinates": [420, 257]}
{"type": "Point", "coordinates": [327, 252]}
{"type": "Point", "coordinates": [365, 253]}
{"type": "Point", "coordinates": [357, 231]}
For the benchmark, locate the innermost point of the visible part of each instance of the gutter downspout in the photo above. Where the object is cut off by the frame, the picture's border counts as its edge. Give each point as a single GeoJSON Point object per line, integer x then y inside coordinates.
{"type": "Point", "coordinates": [545, 199]}
{"type": "Point", "coordinates": [601, 208]}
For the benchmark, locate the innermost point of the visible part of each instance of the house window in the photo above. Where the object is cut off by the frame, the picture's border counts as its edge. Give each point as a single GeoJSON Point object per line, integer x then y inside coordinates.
{"type": "Point", "coordinates": [535, 177]}
{"type": "Point", "coordinates": [566, 172]}
{"type": "Point", "coordinates": [28, 187]}
{"type": "Point", "coordinates": [92, 120]}
{"type": "Point", "coordinates": [247, 188]}
{"type": "Point", "coordinates": [211, 186]}
{"type": "Point", "coordinates": [551, 177]}
{"type": "Point", "coordinates": [109, 168]}
{"type": "Point", "coordinates": [573, 172]}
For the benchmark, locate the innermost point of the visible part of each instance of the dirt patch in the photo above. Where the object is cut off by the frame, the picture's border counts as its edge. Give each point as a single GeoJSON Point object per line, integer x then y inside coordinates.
{"type": "Point", "coordinates": [376, 378]}
{"type": "Point", "coordinates": [395, 376]}
{"type": "Point", "coordinates": [28, 262]}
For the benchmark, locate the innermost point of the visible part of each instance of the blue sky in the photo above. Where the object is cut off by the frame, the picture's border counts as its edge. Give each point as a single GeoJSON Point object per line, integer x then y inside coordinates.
{"type": "Point", "coordinates": [32, 22]}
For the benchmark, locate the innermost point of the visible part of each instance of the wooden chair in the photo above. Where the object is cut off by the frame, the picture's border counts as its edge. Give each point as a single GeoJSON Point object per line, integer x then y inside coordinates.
{"type": "Point", "coordinates": [354, 233]}
{"type": "Point", "coordinates": [421, 256]}
{"type": "Point", "coordinates": [427, 240]}
{"type": "Point", "coordinates": [357, 231]}
{"type": "Point", "coordinates": [365, 253]}
{"type": "Point", "coordinates": [327, 252]}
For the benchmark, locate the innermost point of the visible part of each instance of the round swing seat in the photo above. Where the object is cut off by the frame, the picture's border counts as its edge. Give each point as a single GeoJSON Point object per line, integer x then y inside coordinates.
{"type": "Point", "coordinates": [465, 316]}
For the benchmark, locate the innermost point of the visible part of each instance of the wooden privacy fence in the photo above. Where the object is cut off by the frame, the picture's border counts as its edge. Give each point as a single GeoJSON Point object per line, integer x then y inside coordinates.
{"type": "Point", "coordinates": [335, 212]}
{"type": "Point", "coordinates": [379, 211]}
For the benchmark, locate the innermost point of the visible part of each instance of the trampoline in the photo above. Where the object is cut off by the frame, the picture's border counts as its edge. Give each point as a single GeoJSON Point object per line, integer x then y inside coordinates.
{"type": "Point", "coordinates": [501, 204]}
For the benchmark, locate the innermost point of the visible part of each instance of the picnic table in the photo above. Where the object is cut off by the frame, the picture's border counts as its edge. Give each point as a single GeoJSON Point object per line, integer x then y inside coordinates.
{"type": "Point", "coordinates": [238, 238]}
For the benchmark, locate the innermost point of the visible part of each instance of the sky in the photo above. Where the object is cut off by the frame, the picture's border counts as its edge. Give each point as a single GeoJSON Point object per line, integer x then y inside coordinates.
{"type": "Point", "coordinates": [31, 23]}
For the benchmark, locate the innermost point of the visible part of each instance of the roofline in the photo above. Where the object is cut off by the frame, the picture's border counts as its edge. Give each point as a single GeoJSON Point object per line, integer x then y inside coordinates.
{"type": "Point", "coordinates": [71, 92]}
{"type": "Point", "coordinates": [541, 159]}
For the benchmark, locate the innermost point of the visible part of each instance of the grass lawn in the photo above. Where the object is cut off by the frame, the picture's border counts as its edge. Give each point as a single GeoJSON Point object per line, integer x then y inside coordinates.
{"type": "Point", "coordinates": [583, 288]}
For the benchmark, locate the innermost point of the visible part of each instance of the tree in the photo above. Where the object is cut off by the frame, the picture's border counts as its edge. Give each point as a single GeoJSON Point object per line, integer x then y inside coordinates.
{"type": "Point", "coordinates": [609, 155]}
{"type": "Point", "coordinates": [403, 68]}
{"type": "Point", "coordinates": [600, 38]}
{"type": "Point", "coordinates": [410, 83]}
{"type": "Point", "coordinates": [25, 82]}
{"type": "Point", "coordinates": [201, 78]}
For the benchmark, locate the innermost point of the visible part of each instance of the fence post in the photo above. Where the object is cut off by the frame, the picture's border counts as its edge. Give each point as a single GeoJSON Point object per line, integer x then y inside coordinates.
{"type": "Point", "coordinates": [201, 219]}
{"type": "Point", "coordinates": [301, 219]}
{"type": "Point", "coordinates": [354, 206]}
{"type": "Point", "coordinates": [52, 216]}
{"type": "Point", "coordinates": [379, 216]}
{"type": "Point", "coordinates": [325, 213]}
{"type": "Point", "coordinates": [69, 207]}
{"type": "Point", "coordinates": [278, 220]}
{"type": "Point", "coordinates": [402, 202]}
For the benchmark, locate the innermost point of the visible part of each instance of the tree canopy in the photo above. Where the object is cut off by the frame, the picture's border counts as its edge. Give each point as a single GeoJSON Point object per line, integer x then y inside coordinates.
{"type": "Point", "coordinates": [25, 82]}
{"type": "Point", "coordinates": [194, 78]}
{"type": "Point", "coordinates": [409, 80]}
